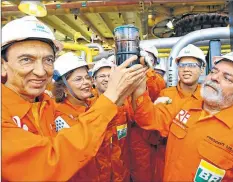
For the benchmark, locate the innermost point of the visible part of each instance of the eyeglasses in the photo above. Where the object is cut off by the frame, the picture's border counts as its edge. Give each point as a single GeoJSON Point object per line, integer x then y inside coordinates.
{"type": "Point", "coordinates": [188, 65]}
{"type": "Point", "coordinates": [103, 76]}
{"type": "Point", "coordinates": [80, 79]}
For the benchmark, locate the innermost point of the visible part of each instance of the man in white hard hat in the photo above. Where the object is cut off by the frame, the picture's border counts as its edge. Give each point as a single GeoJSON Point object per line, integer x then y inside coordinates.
{"type": "Point", "coordinates": [101, 73]}
{"type": "Point", "coordinates": [191, 63]}
{"type": "Point", "coordinates": [119, 155]}
{"type": "Point", "coordinates": [200, 133]}
{"type": "Point", "coordinates": [151, 55]}
{"type": "Point", "coordinates": [160, 68]}
{"type": "Point", "coordinates": [31, 150]}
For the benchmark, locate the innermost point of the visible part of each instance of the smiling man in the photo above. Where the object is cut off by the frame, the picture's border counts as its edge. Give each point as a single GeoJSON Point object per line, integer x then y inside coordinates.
{"type": "Point", "coordinates": [31, 149]}
{"type": "Point", "coordinates": [191, 63]}
{"type": "Point", "coordinates": [200, 132]}
{"type": "Point", "coordinates": [101, 72]}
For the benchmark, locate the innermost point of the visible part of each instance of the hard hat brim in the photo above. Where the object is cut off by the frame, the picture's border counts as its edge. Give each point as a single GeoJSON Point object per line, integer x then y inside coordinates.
{"type": "Point", "coordinates": [217, 59]}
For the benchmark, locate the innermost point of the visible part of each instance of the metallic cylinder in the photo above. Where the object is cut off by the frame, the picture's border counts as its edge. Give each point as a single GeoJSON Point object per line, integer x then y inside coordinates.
{"type": "Point", "coordinates": [126, 43]}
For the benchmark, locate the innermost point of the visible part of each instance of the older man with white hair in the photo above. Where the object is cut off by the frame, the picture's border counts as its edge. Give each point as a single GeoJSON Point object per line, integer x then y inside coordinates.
{"type": "Point", "coordinates": [217, 89]}
{"type": "Point", "coordinates": [200, 133]}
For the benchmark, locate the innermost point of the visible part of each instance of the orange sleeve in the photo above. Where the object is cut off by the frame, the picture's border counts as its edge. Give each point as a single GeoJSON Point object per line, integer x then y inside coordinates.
{"type": "Point", "coordinates": [30, 157]}
{"type": "Point", "coordinates": [155, 83]}
{"type": "Point", "coordinates": [154, 117]}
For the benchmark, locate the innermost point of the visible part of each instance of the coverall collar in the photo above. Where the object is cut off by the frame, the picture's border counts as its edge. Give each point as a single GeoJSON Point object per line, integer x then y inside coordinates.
{"type": "Point", "coordinates": [17, 103]}
{"type": "Point", "coordinates": [183, 94]}
{"type": "Point", "coordinates": [223, 115]}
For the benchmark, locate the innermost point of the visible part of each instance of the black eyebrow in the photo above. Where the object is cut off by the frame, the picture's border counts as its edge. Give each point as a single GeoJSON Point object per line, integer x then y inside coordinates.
{"type": "Point", "coordinates": [28, 55]}
{"type": "Point", "coordinates": [25, 55]}
{"type": "Point", "coordinates": [50, 56]}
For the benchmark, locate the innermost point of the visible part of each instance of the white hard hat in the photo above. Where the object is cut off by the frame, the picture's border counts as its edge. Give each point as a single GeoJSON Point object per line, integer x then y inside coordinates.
{"type": "Point", "coordinates": [26, 28]}
{"type": "Point", "coordinates": [160, 67]}
{"type": "Point", "coordinates": [151, 49]}
{"type": "Point", "coordinates": [112, 59]}
{"type": "Point", "coordinates": [67, 62]}
{"type": "Point", "coordinates": [101, 64]}
{"type": "Point", "coordinates": [192, 51]}
{"type": "Point", "coordinates": [228, 56]}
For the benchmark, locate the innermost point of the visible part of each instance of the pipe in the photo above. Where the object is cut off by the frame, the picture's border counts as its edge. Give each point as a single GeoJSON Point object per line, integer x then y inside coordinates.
{"type": "Point", "coordinates": [166, 55]}
{"type": "Point", "coordinates": [76, 47]}
{"type": "Point", "coordinates": [144, 24]}
{"type": "Point", "coordinates": [199, 35]}
{"type": "Point", "coordinates": [83, 55]}
{"type": "Point", "coordinates": [230, 7]}
{"type": "Point", "coordinates": [95, 45]}
{"type": "Point", "coordinates": [203, 48]}
{"type": "Point", "coordinates": [104, 54]}
{"type": "Point", "coordinates": [170, 42]}
{"type": "Point", "coordinates": [163, 46]}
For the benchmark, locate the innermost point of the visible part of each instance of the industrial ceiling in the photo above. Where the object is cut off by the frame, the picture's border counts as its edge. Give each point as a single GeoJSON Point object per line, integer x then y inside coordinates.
{"type": "Point", "coordinates": [94, 21]}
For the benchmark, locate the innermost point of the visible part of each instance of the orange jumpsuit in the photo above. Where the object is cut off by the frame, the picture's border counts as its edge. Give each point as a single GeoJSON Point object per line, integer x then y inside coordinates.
{"type": "Point", "coordinates": [176, 94]}
{"type": "Point", "coordinates": [142, 142]}
{"type": "Point", "coordinates": [30, 152]}
{"type": "Point", "coordinates": [109, 162]}
{"type": "Point", "coordinates": [200, 145]}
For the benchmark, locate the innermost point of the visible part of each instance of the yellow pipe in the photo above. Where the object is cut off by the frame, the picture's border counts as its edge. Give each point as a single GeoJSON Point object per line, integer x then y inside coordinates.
{"type": "Point", "coordinates": [163, 55]}
{"type": "Point", "coordinates": [77, 47]}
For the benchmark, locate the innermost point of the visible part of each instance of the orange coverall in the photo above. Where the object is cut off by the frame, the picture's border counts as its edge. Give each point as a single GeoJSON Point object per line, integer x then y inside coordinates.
{"type": "Point", "coordinates": [142, 142]}
{"type": "Point", "coordinates": [176, 94]}
{"type": "Point", "coordinates": [200, 145]}
{"type": "Point", "coordinates": [109, 162]}
{"type": "Point", "coordinates": [30, 152]}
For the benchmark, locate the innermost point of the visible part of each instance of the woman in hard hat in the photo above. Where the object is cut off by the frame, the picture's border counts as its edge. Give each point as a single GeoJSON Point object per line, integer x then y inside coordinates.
{"type": "Point", "coordinates": [72, 91]}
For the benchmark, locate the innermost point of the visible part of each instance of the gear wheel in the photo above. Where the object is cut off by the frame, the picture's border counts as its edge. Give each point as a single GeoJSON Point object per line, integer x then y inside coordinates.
{"type": "Point", "coordinates": [200, 21]}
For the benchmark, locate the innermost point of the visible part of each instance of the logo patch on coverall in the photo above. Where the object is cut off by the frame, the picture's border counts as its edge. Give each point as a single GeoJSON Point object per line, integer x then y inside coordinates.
{"type": "Point", "coordinates": [207, 172]}
{"type": "Point", "coordinates": [60, 124]}
{"type": "Point", "coordinates": [183, 116]}
{"type": "Point", "coordinates": [121, 131]}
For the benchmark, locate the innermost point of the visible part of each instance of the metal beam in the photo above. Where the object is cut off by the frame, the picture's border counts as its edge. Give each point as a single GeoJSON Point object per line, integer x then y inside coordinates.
{"type": "Point", "coordinates": [57, 27]}
{"type": "Point", "coordinates": [180, 10]}
{"type": "Point", "coordinates": [86, 21]}
{"type": "Point", "coordinates": [112, 20]}
{"type": "Point", "coordinates": [67, 21]}
{"type": "Point", "coordinates": [117, 3]}
{"type": "Point", "coordinates": [138, 24]}
{"type": "Point", "coordinates": [98, 22]}
{"type": "Point", "coordinates": [16, 2]}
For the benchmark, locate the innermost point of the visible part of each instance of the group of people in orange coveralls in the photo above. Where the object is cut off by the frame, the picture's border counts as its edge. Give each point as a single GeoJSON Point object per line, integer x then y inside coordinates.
{"type": "Point", "coordinates": [113, 123]}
